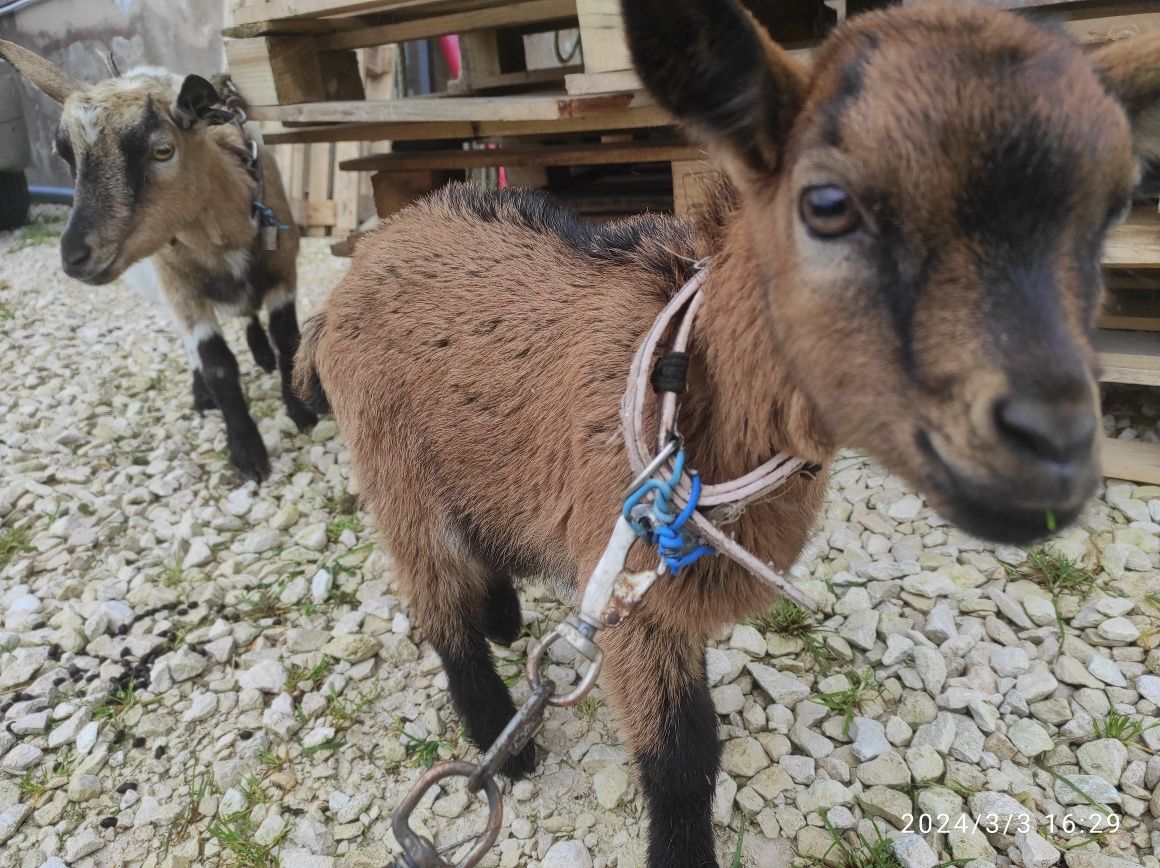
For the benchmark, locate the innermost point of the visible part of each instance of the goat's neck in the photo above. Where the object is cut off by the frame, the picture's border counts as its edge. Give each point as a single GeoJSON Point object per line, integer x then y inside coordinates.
{"type": "Point", "coordinates": [742, 401]}
{"type": "Point", "coordinates": [223, 222]}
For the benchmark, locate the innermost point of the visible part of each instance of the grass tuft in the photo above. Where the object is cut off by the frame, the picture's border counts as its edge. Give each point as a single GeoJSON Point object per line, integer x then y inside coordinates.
{"type": "Point", "coordinates": [1056, 572]}
{"type": "Point", "coordinates": [1122, 727]}
{"type": "Point", "coordinates": [863, 686]}
{"type": "Point", "coordinates": [13, 541]}
{"type": "Point", "coordinates": [863, 853]}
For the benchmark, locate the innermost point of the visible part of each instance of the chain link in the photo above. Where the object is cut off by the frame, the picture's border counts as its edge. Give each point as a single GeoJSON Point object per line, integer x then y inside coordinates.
{"type": "Point", "coordinates": [419, 852]}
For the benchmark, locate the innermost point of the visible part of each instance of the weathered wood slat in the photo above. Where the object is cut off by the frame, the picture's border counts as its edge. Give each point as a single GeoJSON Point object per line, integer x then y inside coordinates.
{"type": "Point", "coordinates": [509, 14]}
{"type": "Point", "coordinates": [1136, 242]}
{"type": "Point", "coordinates": [539, 155]}
{"type": "Point", "coordinates": [1133, 460]}
{"type": "Point", "coordinates": [503, 109]}
{"type": "Point", "coordinates": [650, 117]}
{"type": "Point", "coordinates": [251, 11]}
{"type": "Point", "coordinates": [1129, 357]}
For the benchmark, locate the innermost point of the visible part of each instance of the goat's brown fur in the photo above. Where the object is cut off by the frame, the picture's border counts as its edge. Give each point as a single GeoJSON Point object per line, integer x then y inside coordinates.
{"type": "Point", "coordinates": [476, 352]}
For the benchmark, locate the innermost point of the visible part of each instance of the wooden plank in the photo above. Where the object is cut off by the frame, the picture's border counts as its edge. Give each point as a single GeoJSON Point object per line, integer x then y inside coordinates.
{"type": "Point", "coordinates": [1129, 357]}
{"type": "Point", "coordinates": [1136, 242]}
{"type": "Point", "coordinates": [1132, 460]}
{"type": "Point", "coordinates": [523, 155]}
{"type": "Point", "coordinates": [1114, 27]}
{"type": "Point", "coordinates": [522, 80]}
{"type": "Point", "coordinates": [651, 117]}
{"type": "Point", "coordinates": [692, 181]}
{"type": "Point", "coordinates": [269, 10]}
{"type": "Point", "coordinates": [509, 14]}
{"type": "Point", "coordinates": [396, 190]}
{"type": "Point", "coordinates": [290, 69]}
{"type": "Point", "coordinates": [314, 215]}
{"type": "Point", "coordinates": [602, 35]}
{"type": "Point", "coordinates": [503, 109]}
{"type": "Point", "coordinates": [345, 189]}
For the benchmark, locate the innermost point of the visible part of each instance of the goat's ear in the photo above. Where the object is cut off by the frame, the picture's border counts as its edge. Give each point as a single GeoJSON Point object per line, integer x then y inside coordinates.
{"type": "Point", "coordinates": [1130, 69]}
{"type": "Point", "coordinates": [196, 104]}
{"type": "Point", "coordinates": [50, 78]}
{"type": "Point", "coordinates": [713, 66]}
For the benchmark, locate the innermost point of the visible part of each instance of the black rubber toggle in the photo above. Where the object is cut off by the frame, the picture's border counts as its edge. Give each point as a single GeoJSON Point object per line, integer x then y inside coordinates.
{"type": "Point", "coordinates": [669, 373]}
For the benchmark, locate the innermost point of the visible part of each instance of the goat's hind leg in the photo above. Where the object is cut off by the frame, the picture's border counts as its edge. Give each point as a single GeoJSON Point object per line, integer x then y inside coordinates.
{"type": "Point", "coordinates": [450, 600]}
{"type": "Point", "coordinates": [284, 331]}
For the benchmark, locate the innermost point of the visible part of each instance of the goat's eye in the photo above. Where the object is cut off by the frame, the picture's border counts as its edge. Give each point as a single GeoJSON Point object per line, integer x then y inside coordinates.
{"type": "Point", "coordinates": [829, 211]}
{"type": "Point", "coordinates": [162, 152]}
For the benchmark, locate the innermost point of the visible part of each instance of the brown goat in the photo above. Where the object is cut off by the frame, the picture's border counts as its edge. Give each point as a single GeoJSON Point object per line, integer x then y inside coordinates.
{"type": "Point", "coordinates": [162, 172]}
{"type": "Point", "coordinates": [907, 262]}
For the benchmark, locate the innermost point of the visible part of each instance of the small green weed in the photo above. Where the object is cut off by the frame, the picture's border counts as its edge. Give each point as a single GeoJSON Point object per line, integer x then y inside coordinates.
{"type": "Point", "coordinates": [423, 751]}
{"type": "Point", "coordinates": [299, 675]}
{"type": "Point", "coordinates": [863, 686]}
{"type": "Point", "coordinates": [1122, 727]}
{"type": "Point", "coordinates": [865, 853]}
{"type": "Point", "coordinates": [587, 706]}
{"type": "Point", "coordinates": [37, 233]}
{"type": "Point", "coordinates": [789, 619]}
{"type": "Point", "coordinates": [116, 704]}
{"type": "Point", "coordinates": [1056, 572]}
{"type": "Point", "coordinates": [343, 712]}
{"type": "Point", "coordinates": [736, 863]}
{"type": "Point", "coordinates": [34, 784]}
{"type": "Point", "coordinates": [343, 523]}
{"type": "Point", "coordinates": [13, 541]}
{"type": "Point", "coordinates": [235, 835]}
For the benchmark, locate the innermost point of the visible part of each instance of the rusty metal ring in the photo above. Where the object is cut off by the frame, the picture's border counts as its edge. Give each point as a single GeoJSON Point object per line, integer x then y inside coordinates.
{"type": "Point", "coordinates": [418, 852]}
{"type": "Point", "coordinates": [583, 645]}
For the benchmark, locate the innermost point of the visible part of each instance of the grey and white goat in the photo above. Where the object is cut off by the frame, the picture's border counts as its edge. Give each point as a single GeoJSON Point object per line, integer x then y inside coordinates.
{"type": "Point", "coordinates": [162, 172]}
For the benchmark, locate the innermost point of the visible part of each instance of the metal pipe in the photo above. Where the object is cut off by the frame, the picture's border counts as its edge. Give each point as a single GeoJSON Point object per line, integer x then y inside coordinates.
{"type": "Point", "coordinates": [16, 6]}
{"type": "Point", "coordinates": [51, 195]}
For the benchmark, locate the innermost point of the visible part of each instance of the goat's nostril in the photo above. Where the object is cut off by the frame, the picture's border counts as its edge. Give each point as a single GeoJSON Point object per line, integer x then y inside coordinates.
{"type": "Point", "coordinates": [75, 252]}
{"type": "Point", "coordinates": [1047, 430]}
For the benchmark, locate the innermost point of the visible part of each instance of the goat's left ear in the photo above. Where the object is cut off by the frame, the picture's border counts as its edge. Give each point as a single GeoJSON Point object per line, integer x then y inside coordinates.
{"type": "Point", "coordinates": [196, 104]}
{"type": "Point", "coordinates": [713, 66]}
{"type": "Point", "coordinates": [1130, 69]}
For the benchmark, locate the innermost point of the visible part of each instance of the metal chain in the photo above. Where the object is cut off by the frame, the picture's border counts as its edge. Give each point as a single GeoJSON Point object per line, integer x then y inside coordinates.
{"type": "Point", "coordinates": [419, 852]}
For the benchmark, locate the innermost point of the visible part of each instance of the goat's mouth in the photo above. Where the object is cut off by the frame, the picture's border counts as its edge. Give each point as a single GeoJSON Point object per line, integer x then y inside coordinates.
{"type": "Point", "coordinates": [101, 275]}
{"type": "Point", "coordinates": [1007, 508]}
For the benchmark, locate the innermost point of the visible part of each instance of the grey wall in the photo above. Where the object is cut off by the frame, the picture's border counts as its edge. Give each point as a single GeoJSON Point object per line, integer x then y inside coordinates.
{"type": "Point", "coordinates": [182, 35]}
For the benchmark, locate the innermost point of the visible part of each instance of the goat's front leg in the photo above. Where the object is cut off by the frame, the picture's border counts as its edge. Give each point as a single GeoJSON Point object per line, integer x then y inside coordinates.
{"type": "Point", "coordinates": [216, 384]}
{"type": "Point", "coordinates": [655, 677]}
{"type": "Point", "coordinates": [284, 331]}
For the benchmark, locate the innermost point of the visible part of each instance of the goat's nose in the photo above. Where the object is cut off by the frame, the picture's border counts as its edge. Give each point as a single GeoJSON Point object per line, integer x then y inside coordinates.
{"type": "Point", "coordinates": [1059, 431]}
{"type": "Point", "coordinates": [74, 251]}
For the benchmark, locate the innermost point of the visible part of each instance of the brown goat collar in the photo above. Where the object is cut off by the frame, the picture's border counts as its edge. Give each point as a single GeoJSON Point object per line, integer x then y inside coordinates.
{"type": "Point", "coordinates": [730, 498]}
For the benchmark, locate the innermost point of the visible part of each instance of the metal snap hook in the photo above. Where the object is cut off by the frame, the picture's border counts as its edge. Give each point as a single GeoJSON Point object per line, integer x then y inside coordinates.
{"type": "Point", "coordinates": [580, 639]}
{"type": "Point", "coordinates": [418, 852]}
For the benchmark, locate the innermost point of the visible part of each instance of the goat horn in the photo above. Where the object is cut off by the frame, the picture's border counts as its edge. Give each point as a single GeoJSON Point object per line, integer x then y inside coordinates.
{"type": "Point", "coordinates": [50, 78]}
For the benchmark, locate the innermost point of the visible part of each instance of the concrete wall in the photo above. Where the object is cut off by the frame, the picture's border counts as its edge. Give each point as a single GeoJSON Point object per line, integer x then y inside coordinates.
{"type": "Point", "coordinates": [182, 35]}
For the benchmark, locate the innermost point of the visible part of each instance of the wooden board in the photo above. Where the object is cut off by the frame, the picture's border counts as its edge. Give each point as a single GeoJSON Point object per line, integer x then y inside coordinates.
{"type": "Point", "coordinates": [602, 34]}
{"type": "Point", "coordinates": [509, 14]}
{"type": "Point", "coordinates": [499, 109]}
{"type": "Point", "coordinates": [1129, 357]}
{"type": "Point", "coordinates": [1132, 460]}
{"type": "Point", "coordinates": [692, 182]}
{"type": "Point", "coordinates": [524, 155]}
{"type": "Point", "coordinates": [1136, 242]}
{"type": "Point", "coordinates": [251, 11]}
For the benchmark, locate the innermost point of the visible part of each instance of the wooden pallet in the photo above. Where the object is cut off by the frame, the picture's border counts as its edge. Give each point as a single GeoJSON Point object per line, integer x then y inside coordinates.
{"type": "Point", "coordinates": [1132, 460]}
{"type": "Point", "coordinates": [324, 199]}
{"type": "Point", "coordinates": [288, 60]}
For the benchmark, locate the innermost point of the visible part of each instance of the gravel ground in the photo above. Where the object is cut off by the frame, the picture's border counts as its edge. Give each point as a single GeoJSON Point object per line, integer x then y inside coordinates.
{"type": "Point", "coordinates": [196, 671]}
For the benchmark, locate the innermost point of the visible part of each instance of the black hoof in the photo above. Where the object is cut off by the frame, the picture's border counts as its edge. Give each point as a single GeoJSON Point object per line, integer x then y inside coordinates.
{"type": "Point", "coordinates": [250, 458]}
{"type": "Point", "coordinates": [522, 764]}
{"type": "Point", "coordinates": [301, 415]}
